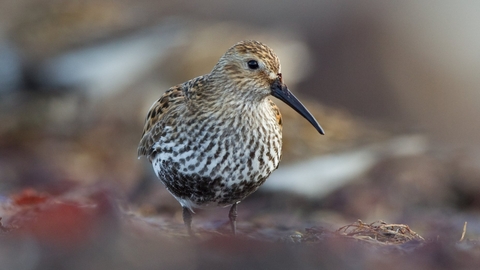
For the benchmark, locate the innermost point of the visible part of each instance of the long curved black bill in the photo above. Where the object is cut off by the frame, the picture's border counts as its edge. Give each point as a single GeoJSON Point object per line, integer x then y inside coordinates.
{"type": "Point", "coordinates": [280, 91]}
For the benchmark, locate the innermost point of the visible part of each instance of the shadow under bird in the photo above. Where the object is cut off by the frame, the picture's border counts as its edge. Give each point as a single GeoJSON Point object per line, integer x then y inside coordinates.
{"type": "Point", "coordinates": [215, 139]}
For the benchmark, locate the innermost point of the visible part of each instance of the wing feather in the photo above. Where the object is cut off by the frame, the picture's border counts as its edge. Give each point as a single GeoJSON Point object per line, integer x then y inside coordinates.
{"type": "Point", "coordinates": [165, 111]}
{"type": "Point", "coordinates": [157, 114]}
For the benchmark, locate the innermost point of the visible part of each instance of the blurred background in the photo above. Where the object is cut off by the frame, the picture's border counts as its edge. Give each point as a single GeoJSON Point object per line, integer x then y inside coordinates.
{"type": "Point", "coordinates": [394, 84]}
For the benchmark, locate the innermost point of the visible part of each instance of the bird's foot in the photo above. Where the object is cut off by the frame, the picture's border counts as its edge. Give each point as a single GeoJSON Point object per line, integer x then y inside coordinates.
{"type": "Point", "coordinates": [232, 215]}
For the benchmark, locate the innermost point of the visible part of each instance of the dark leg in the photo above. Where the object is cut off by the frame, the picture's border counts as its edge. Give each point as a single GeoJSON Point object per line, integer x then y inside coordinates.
{"type": "Point", "coordinates": [187, 219]}
{"type": "Point", "coordinates": [233, 218]}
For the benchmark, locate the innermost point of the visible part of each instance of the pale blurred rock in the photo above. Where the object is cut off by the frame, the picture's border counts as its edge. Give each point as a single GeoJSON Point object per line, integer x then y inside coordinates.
{"type": "Point", "coordinates": [10, 67]}
{"type": "Point", "coordinates": [319, 176]}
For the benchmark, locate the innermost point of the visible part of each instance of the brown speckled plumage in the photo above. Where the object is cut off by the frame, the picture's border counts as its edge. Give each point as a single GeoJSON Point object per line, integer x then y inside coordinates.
{"type": "Point", "coordinates": [215, 139]}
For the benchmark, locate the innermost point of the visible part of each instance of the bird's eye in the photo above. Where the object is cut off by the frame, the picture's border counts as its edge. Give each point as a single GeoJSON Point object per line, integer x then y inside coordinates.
{"type": "Point", "coordinates": [252, 64]}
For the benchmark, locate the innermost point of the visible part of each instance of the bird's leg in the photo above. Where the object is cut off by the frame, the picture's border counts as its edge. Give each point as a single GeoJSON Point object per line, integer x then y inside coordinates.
{"type": "Point", "coordinates": [187, 219]}
{"type": "Point", "coordinates": [232, 215]}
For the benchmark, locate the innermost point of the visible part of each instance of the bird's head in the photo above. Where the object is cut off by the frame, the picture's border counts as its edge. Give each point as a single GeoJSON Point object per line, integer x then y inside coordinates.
{"type": "Point", "coordinates": [251, 71]}
{"type": "Point", "coordinates": [250, 68]}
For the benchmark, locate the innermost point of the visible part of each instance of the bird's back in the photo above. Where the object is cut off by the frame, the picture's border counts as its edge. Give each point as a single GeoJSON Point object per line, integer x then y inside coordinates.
{"type": "Point", "coordinates": [164, 114]}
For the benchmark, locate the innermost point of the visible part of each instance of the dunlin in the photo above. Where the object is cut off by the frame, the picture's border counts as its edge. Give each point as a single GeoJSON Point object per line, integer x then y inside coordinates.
{"type": "Point", "coordinates": [215, 139]}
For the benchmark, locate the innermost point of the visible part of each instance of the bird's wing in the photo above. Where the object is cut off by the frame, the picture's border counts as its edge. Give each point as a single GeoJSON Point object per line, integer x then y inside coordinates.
{"type": "Point", "coordinates": [156, 117]}
{"type": "Point", "coordinates": [166, 110]}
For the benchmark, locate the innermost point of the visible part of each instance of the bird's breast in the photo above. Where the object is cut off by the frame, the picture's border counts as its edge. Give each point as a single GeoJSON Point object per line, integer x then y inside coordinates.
{"type": "Point", "coordinates": [227, 153]}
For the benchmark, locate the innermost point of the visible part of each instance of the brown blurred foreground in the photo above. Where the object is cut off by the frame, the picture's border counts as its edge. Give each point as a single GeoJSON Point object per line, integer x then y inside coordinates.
{"type": "Point", "coordinates": [90, 228]}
